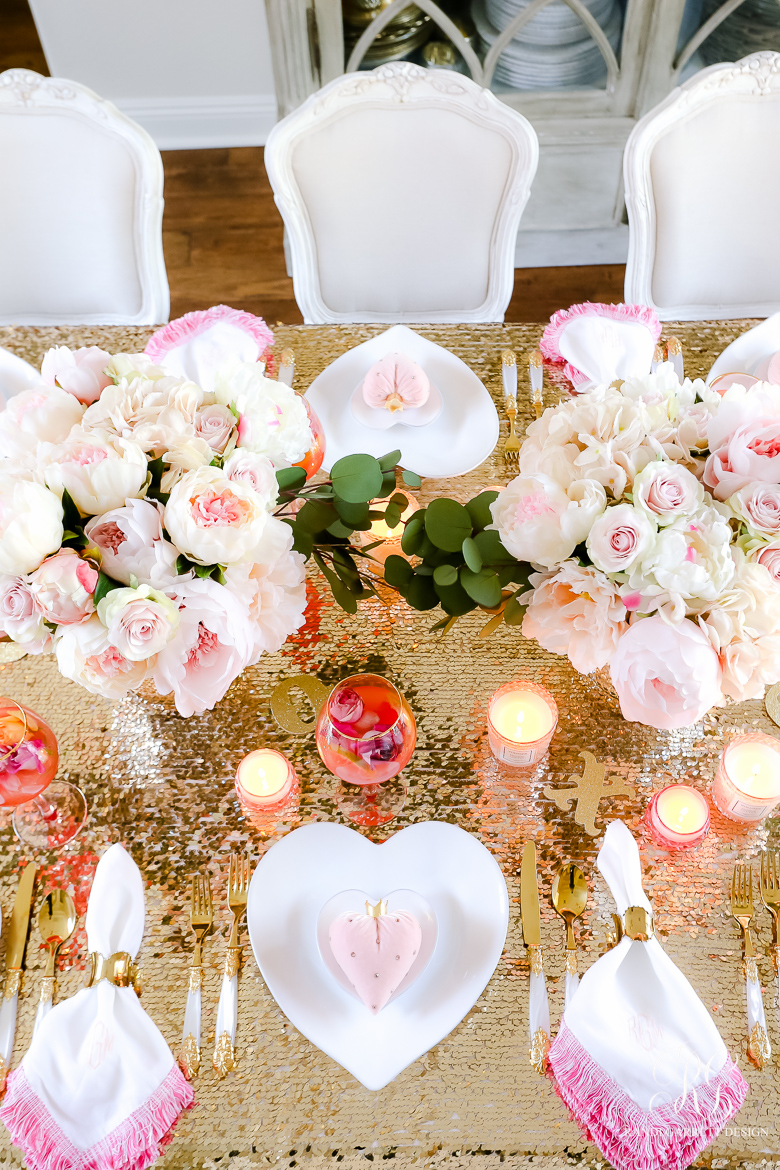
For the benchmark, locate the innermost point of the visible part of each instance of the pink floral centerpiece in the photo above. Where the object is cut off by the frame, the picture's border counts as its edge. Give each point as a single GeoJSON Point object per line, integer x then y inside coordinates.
{"type": "Point", "coordinates": [650, 512]}
{"type": "Point", "coordinates": [137, 534]}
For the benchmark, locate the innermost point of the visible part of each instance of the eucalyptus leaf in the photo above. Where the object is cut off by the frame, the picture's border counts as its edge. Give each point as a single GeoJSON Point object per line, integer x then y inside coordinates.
{"type": "Point", "coordinates": [356, 515]}
{"type": "Point", "coordinates": [389, 462]}
{"type": "Point", "coordinates": [400, 499]}
{"type": "Point", "coordinates": [421, 593]}
{"type": "Point", "coordinates": [445, 575]}
{"type": "Point", "coordinates": [514, 612]}
{"type": "Point", "coordinates": [290, 479]}
{"type": "Point", "coordinates": [492, 550]}
{"type": "Point", "coordinates": [484, 587]}
{"type": "Point", "coordinates": [339, 529]}
{"type": "Point", "coordinates": [357, 478]}
{"type": "Point", "coordinates": [445, 625]}
{"type": "Point", "coordinates": [411, 479]}
{"type": "Point", "coordinates": [453, 599]}
{"type": "Point", "coordinates": [491, 626]}
{"type": "Point", "coordinates": [303, 541]}
{"type": "Point", "coordinates": [471, 555]}
{"type": "Point", "coordinates": [316, 516]}
{"type": "Point", "coordinates": [479, 509]}
{"type": "Point", "coordinates": [398, 572]}
{"type": "Point", "coordinates": [388, 485]}
{"type": "Point", "coordinates": [414, 533]}
{"type": "Point", "coordinates": [447, 524]}
{"type": "Point", "coordinates": [392, 515]}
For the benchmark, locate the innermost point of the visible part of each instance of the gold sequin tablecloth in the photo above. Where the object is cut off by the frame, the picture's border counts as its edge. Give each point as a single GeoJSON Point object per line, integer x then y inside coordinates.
{"type": "Point", "coordinates": [164, 787]}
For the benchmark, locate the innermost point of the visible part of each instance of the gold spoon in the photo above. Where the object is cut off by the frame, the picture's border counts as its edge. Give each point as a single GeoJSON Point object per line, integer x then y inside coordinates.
{"type": "Point", "coordinates": [569, 897]}
{"type": "Point", "coordinates": [57, 919]}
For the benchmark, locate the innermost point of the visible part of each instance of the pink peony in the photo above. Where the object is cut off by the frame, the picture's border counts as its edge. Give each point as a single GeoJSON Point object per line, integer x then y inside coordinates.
{"type": "Point", "coordinates": [576, 612]}
{"type": "Point", "coordinates": [63, 586]}
{"type": "Point", "coordinates": [79, 371]}
{"type": "Point", "coordinates": [132, 544]}
{"type": "Point", "coordinates": [85, 655]}
{"type": "Point", "coordinates": [744, 439]}
{"type": "Point", "coordinates": [213, 644]}
{"type": "Point", "coordinates": [666, 676]}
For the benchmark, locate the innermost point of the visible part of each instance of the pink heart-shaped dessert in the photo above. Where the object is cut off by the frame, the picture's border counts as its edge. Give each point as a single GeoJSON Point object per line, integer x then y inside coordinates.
{"type": "Point", "coordinates": [375, 952]}
{"type": "Point", "coordinates": [396, 382]}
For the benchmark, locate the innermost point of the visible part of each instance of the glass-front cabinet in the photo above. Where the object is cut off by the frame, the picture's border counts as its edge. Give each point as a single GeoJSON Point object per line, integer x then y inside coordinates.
{"type": "Point", "coordinates": [581, 71]}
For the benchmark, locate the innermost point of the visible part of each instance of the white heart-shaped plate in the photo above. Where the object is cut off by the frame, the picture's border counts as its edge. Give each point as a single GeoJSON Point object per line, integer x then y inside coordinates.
{"type": "Point", "coordinates": [446, 866]}
{"type": "Point", "coordinates": [457, 441]}
{"type": "Point", "coordinates": [355, 901]}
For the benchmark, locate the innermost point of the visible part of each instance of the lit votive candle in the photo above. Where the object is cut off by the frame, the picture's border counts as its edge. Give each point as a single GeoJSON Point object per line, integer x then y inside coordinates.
{"type": "Point", "coordinates": [678, 817]}
{"type": "Point", "coordinates": [521, 718]}
{"type": "Point", "coordinates": [747, 783]}
{"type": "Point", "coordinates": [264, 779]}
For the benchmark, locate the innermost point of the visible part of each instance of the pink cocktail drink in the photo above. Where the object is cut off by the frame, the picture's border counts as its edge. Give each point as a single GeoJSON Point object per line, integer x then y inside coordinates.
{"type": "Point", "coordinates": [28, 754]}
{"type": "Point", "coordinates": [366, 731]}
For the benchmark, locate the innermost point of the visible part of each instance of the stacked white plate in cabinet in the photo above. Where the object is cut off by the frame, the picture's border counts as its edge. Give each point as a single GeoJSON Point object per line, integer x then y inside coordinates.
{"type": "Point", "coordinates": [539, 58]}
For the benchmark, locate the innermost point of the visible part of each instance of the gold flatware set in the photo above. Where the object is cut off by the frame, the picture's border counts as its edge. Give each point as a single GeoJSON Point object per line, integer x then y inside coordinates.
{"type": "Point", "coordinates": [743, 910]}
{"type": "Point", "coordinates": [512, 444]}
{"type": "Point", "coordinates": [202, 922]}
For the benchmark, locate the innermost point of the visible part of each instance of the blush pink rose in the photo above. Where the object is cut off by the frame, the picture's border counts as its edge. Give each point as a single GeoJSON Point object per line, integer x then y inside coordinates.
{"type": "Point", "coordinates": [139, 622]}
{"type": "Point", "coordinates": [769, 557]}
{"type": "Point", "coordinates": [63, 587]}
{"type": "Point", "coordinates": [20, 618]}
{"type": "Point", "coordinates": [216, 425]}
{"type": "Point", "coordinates": [758, 505]}
{"type": "Point", "coordinates": [619, 538]}
{"type": "Point", "coordinates": [79, 371]}
{"type": "Point", "coordinates": [666, 675]}
{"type": "Point", "coordinates": [744, 439]}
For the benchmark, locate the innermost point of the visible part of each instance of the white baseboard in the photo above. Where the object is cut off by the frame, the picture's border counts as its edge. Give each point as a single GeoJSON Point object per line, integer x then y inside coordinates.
{"type": "Point", "coordinates": [191, 123]}
{"type": "Point", "coordinates": [562, 249]}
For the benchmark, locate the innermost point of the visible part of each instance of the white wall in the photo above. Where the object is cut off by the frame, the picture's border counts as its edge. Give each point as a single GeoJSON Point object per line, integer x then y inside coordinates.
{"type": "Point", "coordinates": [195, 73]}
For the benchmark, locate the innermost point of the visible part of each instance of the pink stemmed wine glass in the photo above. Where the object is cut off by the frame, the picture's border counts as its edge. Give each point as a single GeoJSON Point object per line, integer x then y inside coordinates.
{"type": "Point", "coordinates": [47, 813]}
{"type": "Point", "coordinates": [365, 735]}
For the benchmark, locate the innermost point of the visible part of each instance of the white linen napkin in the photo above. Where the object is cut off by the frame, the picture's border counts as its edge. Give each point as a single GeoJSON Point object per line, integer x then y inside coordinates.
{"type": "Point", "coordinates": [637, 1058]}
{"type": "Point", "coordinates": [600, 343]}
{"type": "Point", "coordinates": [15, 374]}
{"type": "Point", "coordinates": [98, 1088]}
{"type": "Point", "coordinates": [196, 345]}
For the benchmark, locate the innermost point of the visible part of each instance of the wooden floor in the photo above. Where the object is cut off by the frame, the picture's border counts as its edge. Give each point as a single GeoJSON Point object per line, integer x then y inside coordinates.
{"type": "Point", "coordinates": [222, 233]}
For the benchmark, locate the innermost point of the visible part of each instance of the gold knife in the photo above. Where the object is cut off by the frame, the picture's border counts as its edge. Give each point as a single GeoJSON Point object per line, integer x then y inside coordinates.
{"type": "Point", "coordinates": [539, 1009]}
{"type": "Point", "coordinates": [14, 961]}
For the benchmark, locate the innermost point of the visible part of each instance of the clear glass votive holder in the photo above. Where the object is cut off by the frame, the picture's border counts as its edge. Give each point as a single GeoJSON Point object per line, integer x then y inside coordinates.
{"type": "Point", "coordinates": [678, 817]}
{"type": "Point", "coordinates": [747, 783]}
{"type": "Point", "coordinates": [521, 718]}
{"type": "Point", "coordinates": [265, 781]}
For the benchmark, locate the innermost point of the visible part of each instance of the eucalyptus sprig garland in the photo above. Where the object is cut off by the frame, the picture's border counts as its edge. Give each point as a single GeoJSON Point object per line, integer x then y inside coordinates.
{"type": "Point", "coordinates": [459, 563]}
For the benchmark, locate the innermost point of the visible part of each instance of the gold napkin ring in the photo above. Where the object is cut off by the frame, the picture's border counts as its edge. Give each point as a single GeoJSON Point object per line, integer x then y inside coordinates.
{"type": "Point", "coordinates": [638, 923]}
{"type": "Point", "coordinates": [118, 969]}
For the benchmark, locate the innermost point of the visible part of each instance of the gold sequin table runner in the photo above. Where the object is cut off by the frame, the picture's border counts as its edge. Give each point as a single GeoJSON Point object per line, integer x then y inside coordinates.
{"type": "Point", "coordinates": [164, 787]}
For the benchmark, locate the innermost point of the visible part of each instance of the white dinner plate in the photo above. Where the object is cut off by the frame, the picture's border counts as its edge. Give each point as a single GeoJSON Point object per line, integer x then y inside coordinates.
{"type": "Point", "coordinates": [355, 901]}
{"type": "Point", "coordinates": [462, 436]}
{"type": "Point", "coordinates": [15, 375]}
{"type": "Point", "coordinates": [449, 868]}
{"type": "Point", "coordinates": [749, 349]}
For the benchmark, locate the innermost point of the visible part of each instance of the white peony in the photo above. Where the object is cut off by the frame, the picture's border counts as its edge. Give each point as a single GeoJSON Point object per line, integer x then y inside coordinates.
{"type": "Point", "coordinates": [273, 418]}
{"type": "Point", "coordinates": [85, 655]}
{"type": "Point", "coordinates": [131, 544]}
{"type": "Point", "coordinates": [619, 538]}
{"type": "Point", "coordinates": [139, 622]}
{"type": "Point", "coordinates": [273, 595]}
{"type": "Point", "coordinates": [665, 492]}
{"type": "Point", "coordinates": [42, 414]}
{"type": "Point", "coordinates": [186, 453]}
{"type": "Point", "coordinates": [690, 559]}
{"type": "Point", "coordinates": [540, 522]}
{"type": "Point", "coordinates": [127, 366]}
{"type": "Point", "coordinates": [153, 414]}
{"type": "Point", "coordinates": [214, 520]}
{"type": "Point", "coordinates": [99, 470]}
{"type": "Point", "coordinates": [575, 611]}
{"type": "Point", "coordinates": [30, 524]}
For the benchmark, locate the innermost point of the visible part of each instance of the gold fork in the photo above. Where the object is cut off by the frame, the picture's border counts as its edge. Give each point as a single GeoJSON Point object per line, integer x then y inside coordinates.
{"type": "Point", "coordinates": [512, 443]}
{"type": "Point", "coordinates": [769, 888]}
{"type": "Point", "coordinates": [758, 1050]}
{"type": "Point", "coordinates": [201, 918]}
{"type": "Point", "coordinates": [227, 1011]}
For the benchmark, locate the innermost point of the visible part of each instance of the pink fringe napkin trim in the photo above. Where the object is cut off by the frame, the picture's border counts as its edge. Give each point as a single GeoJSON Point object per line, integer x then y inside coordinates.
{"type": "Point", "coordinates": [183, 329]}
{"type": "Point", "coordinates": [133, 1145]}
{"type": "Point", "coordinates": [631, 1138]}
{"type": "Point", "coordinates": [550, 342]}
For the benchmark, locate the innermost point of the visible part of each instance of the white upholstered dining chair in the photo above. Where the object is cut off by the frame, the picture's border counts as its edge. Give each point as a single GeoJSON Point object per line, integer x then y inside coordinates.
{"type": "Point", "coordinates": [81, 202]}
{"type": "Point", "coordinates": [702, 179]}
{"type": "Point", "coordinates": [401, 190]}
